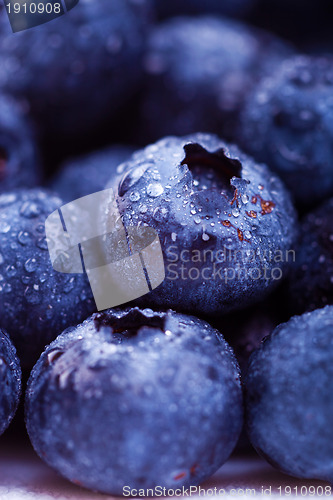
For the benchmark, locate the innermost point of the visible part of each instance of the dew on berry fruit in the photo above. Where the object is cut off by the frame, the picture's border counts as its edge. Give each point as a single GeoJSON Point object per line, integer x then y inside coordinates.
{"type": "Point", "coordinates": [160, 213]}
{"type": "Point", "coordinates": [205, 236]}
{"type": "Point", "coordinates": [32, 296]}
{"type": "Point", "coordinates": [155, 190]}
{"type": "Point", "coordinates": [42, 243]}
{"type": "Point", "coordinates": [69, 285]}
{"type": "Point", "coordinates": [134, 196]}
{"type": "Point", "coordinates": [11, 271]}
{"type": "Point", "coordinates": [30, 265]}
{"type": "Point", "coordinates": [4, 227]}
{"type": "Point", "coordinates": [24, 237]}
{"type": "Point", "coordinates": [245, 199]}
{"type": "Point", "coordinates": [235, 212]}
{"type": "Point", "coordinates": [173, 236]}
{"type": "Point", "coordinates": [131, 178]}
{"type": "Point", "coordinates": [2, 260]}
{"type": "Point", "coordinates": [143, 209]}
{"type": "Point", "coordinates": [30, 209]}
{"type": "Point", "coordinates": [7, 199]}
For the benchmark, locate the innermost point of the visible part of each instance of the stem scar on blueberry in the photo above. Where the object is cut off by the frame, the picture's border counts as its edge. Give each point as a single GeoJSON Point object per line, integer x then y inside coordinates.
{"type": "Point", "coordinates": [128, 325]}
{"type": "Point", "coordinates": [3, 162]}
{"type": "Point", "coordinates": [196, 155]}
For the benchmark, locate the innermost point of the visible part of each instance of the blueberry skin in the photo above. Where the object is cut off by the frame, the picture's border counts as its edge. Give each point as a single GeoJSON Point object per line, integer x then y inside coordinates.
{"type": "Point", "coordinates": [36, 302]}
{"type": "Point", "coordinates": [199, 71]}
{"type": "Point", "coordinates": [202, 195]}
{"type": "Point", "coordinates": [19, 161]}
{"type": "Point", "coordinates": [288, 123]}
{"type": "Point", "coordinates": [105, 396]}
{"type": "Point", "coordinates": [10, 381]}
{"type": "Point", "coordinates": [90, 173]}
{"type": "Point", "coordinates": [309, 285]}
{"type": "Point", "coordinates": [289, 400]}
{"type": "Point", "coordinates": [78, 69]}
{"type": "Point", "coordinates": [237, 8]}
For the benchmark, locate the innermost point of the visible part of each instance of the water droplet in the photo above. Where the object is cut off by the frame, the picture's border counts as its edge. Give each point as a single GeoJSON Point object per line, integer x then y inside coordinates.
{"type": "Point", "coordinates": [205, 236]}
{"type": "Point", "coordinates": [155, 190]}
{"type": "Point", "coordinates": [173, 236]}
{"type": "Point", "coordinates": [11, 271]}
{"type": "Point", "coordinates": [197, 219]}
{"type": "Point", "coordinates": [7, 199]}
{"type": "Point", "coordinates": [143, 209]}
{"type": "Point", "coordinates": [248, 235]}
{"type": "Point", "coordinates": [193, 211]}
{"type": "Point", "coordinates": [245, 199]}
{"type": "Point", "coordinates": [131, 178]}
{"type": "Point", "coordinates": [43, 277]}
{"type": "Point", "coordinates": [7, 288]}
{"type": "Point", "coordinates": [2, 260]}
{"type": "Point", "coordinates": [24, 237]}
{"type": "Point", "coordinates": [30, 265]}
{"type": "Point", "coordinates": [42, 243]}
{"type": "Point", "coordinates": [235, 212]}
{"type": "Point", "coordinates": [134, 196]}
{"type": "Point", "coordinates": [32, 296]}
{"type": "Point", "coordinates": [30, 209]}
{"type": "Point", "coordinates": [160, 213]}
{"type": "Point", "coordinates": [69, 285]}
{"type": "Point", "coordinates": [4, 226]}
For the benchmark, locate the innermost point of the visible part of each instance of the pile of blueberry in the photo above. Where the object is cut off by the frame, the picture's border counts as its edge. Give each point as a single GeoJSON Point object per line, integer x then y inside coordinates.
{"type": "Point", "coordinates": [212, 122]}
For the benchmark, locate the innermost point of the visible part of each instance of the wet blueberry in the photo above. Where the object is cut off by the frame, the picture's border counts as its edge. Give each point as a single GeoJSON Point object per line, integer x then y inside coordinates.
{"type": "Point", "coordinates": [19, 163]}
{"type": "Point", "coordinates": [225, 223]}
{"type": "Point", "coordinates": [288, 123]}
{"type": "Point", "coordinates": [199, 71]}
{"type": "Point", "coordinates": [78, 69]}
{"type": "Point", "coordinates": [89, 174]}
{"type": "Point", "coordinates": [310, 283]}
{"type": "Point", "coordinates": [36, 302]}
{"type": "Point", "coordinates": [10, 381]}
{"type": "Point", "coordinates": [137, 398]}
{"type": "Point", "coordinates": [289, 399]}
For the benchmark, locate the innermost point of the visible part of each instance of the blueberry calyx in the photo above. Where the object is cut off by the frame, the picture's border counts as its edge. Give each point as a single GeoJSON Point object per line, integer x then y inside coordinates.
{"type": "Point", "coordinates": [196, 155]}
{"type": "Point", "coordinates": [130, 322]}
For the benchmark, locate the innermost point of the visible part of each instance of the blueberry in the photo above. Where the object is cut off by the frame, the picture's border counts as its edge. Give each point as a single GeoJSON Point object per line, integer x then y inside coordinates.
{"type": "Point", "coordinates": [19, 163]}
{"type": "Point", "coordinates": [199, 71]}
{"type": "Point", "coordinates": [236, 8]}
{"type": "Point", "coordinates": [289, 399]}
{"type": "Point", "coordinates": [36, 302]}
{"type": "Point", "coordinates": [78, 69]}
{"type": "Point", "coordinates": [10, 381]}
{"type": "Point", "coordinates": [309, 284]}
{"type": "Point", "coordinates": [288, 123]}
{"type": "Point", "coordinates": [137, 398]}
{"type": "Point", "coordinates": [225, 223]}
{"type": "Point", "coordinates": [89, 174]}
